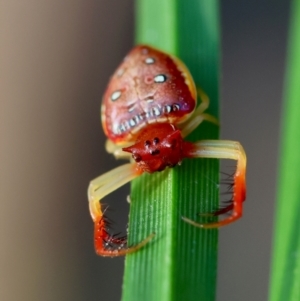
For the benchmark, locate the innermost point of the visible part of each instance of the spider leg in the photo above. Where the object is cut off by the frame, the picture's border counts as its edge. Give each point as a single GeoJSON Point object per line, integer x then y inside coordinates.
{"type": "Point", "coordinates": [198, 116]}
{"type": "Point", "coordinates": [224, 149]}
{"type": "Point", "coordinates": [223, 210]}
{"type": "Point", "coordinates": [106, 244]}
{"type": "Point", "coordinates": [228, 204]}
{"type": "Point", "coordinates": [116, 150]}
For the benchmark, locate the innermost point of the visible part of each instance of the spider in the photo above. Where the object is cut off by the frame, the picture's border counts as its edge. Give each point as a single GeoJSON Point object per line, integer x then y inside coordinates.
{"type": "Point", "coordinates": [149, 107]}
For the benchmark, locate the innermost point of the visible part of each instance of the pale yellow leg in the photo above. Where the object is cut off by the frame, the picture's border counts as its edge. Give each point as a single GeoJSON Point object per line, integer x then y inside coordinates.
{"type": "Point", "coordinates": [116, 150]}
{"type": "Point", "coordinates": [108, 182]}
{"type": "Point", "coordinates": [224, 149]}
{"type": "Point", "coordinates": [198, 116]}
{"type": "Point", "coordinates": [105, 243]}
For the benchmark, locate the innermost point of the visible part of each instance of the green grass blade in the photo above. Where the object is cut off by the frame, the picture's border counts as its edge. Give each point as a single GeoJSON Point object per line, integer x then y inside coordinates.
{"type": "Point", "coordinates": [285, 276]}
{"type": "Point", "coordinates": [180, 263]}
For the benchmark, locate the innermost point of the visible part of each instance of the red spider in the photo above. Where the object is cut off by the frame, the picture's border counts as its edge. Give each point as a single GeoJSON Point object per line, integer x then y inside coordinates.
{"type": "Point", "coordinates": [148, 108]}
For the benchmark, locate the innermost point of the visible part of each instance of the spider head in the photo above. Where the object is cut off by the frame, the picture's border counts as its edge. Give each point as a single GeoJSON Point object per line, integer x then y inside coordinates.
{"type": "Point", "coordinates": [158, 146]}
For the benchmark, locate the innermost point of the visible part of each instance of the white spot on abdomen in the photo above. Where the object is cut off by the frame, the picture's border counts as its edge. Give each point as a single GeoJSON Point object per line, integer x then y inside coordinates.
{"type": "Point", "coordinates": [115, 95]}
{"type": "Point", "coordinates": [161, 78]}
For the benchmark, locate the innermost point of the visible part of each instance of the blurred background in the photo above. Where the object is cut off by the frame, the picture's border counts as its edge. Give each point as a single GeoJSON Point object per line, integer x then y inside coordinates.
{"type": "Point", "coordinates": [56, 59]}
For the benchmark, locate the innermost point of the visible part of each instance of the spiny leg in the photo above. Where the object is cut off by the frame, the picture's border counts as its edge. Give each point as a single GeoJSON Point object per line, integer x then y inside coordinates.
{"type": "Point", "coordinates": [227, 205]}
{"type": "Point", "coordinates": [223, 149]}
{"type": "Point", "coordinates": [198, 116]}
{"type": "Point", "coordinates": [99, 188]}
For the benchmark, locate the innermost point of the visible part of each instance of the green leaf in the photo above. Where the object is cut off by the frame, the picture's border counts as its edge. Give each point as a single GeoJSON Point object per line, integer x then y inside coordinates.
{"type": "Point", "coordinates": [180, 262]}
{"type": "Point", "coordinates": [285, 276]}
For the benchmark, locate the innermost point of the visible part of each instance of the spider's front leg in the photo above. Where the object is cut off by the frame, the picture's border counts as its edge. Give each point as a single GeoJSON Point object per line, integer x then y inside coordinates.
{"type": "Point", "coordinates": [105, 243]}
{"type": "Point", "coordinates": [223, 149]}
{"type": "Point", "coordinates": [117, 150]}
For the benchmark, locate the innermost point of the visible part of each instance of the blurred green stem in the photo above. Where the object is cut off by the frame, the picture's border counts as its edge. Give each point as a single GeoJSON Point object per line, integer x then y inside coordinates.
{"type": "Point", "coordinates": [285, 275]}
